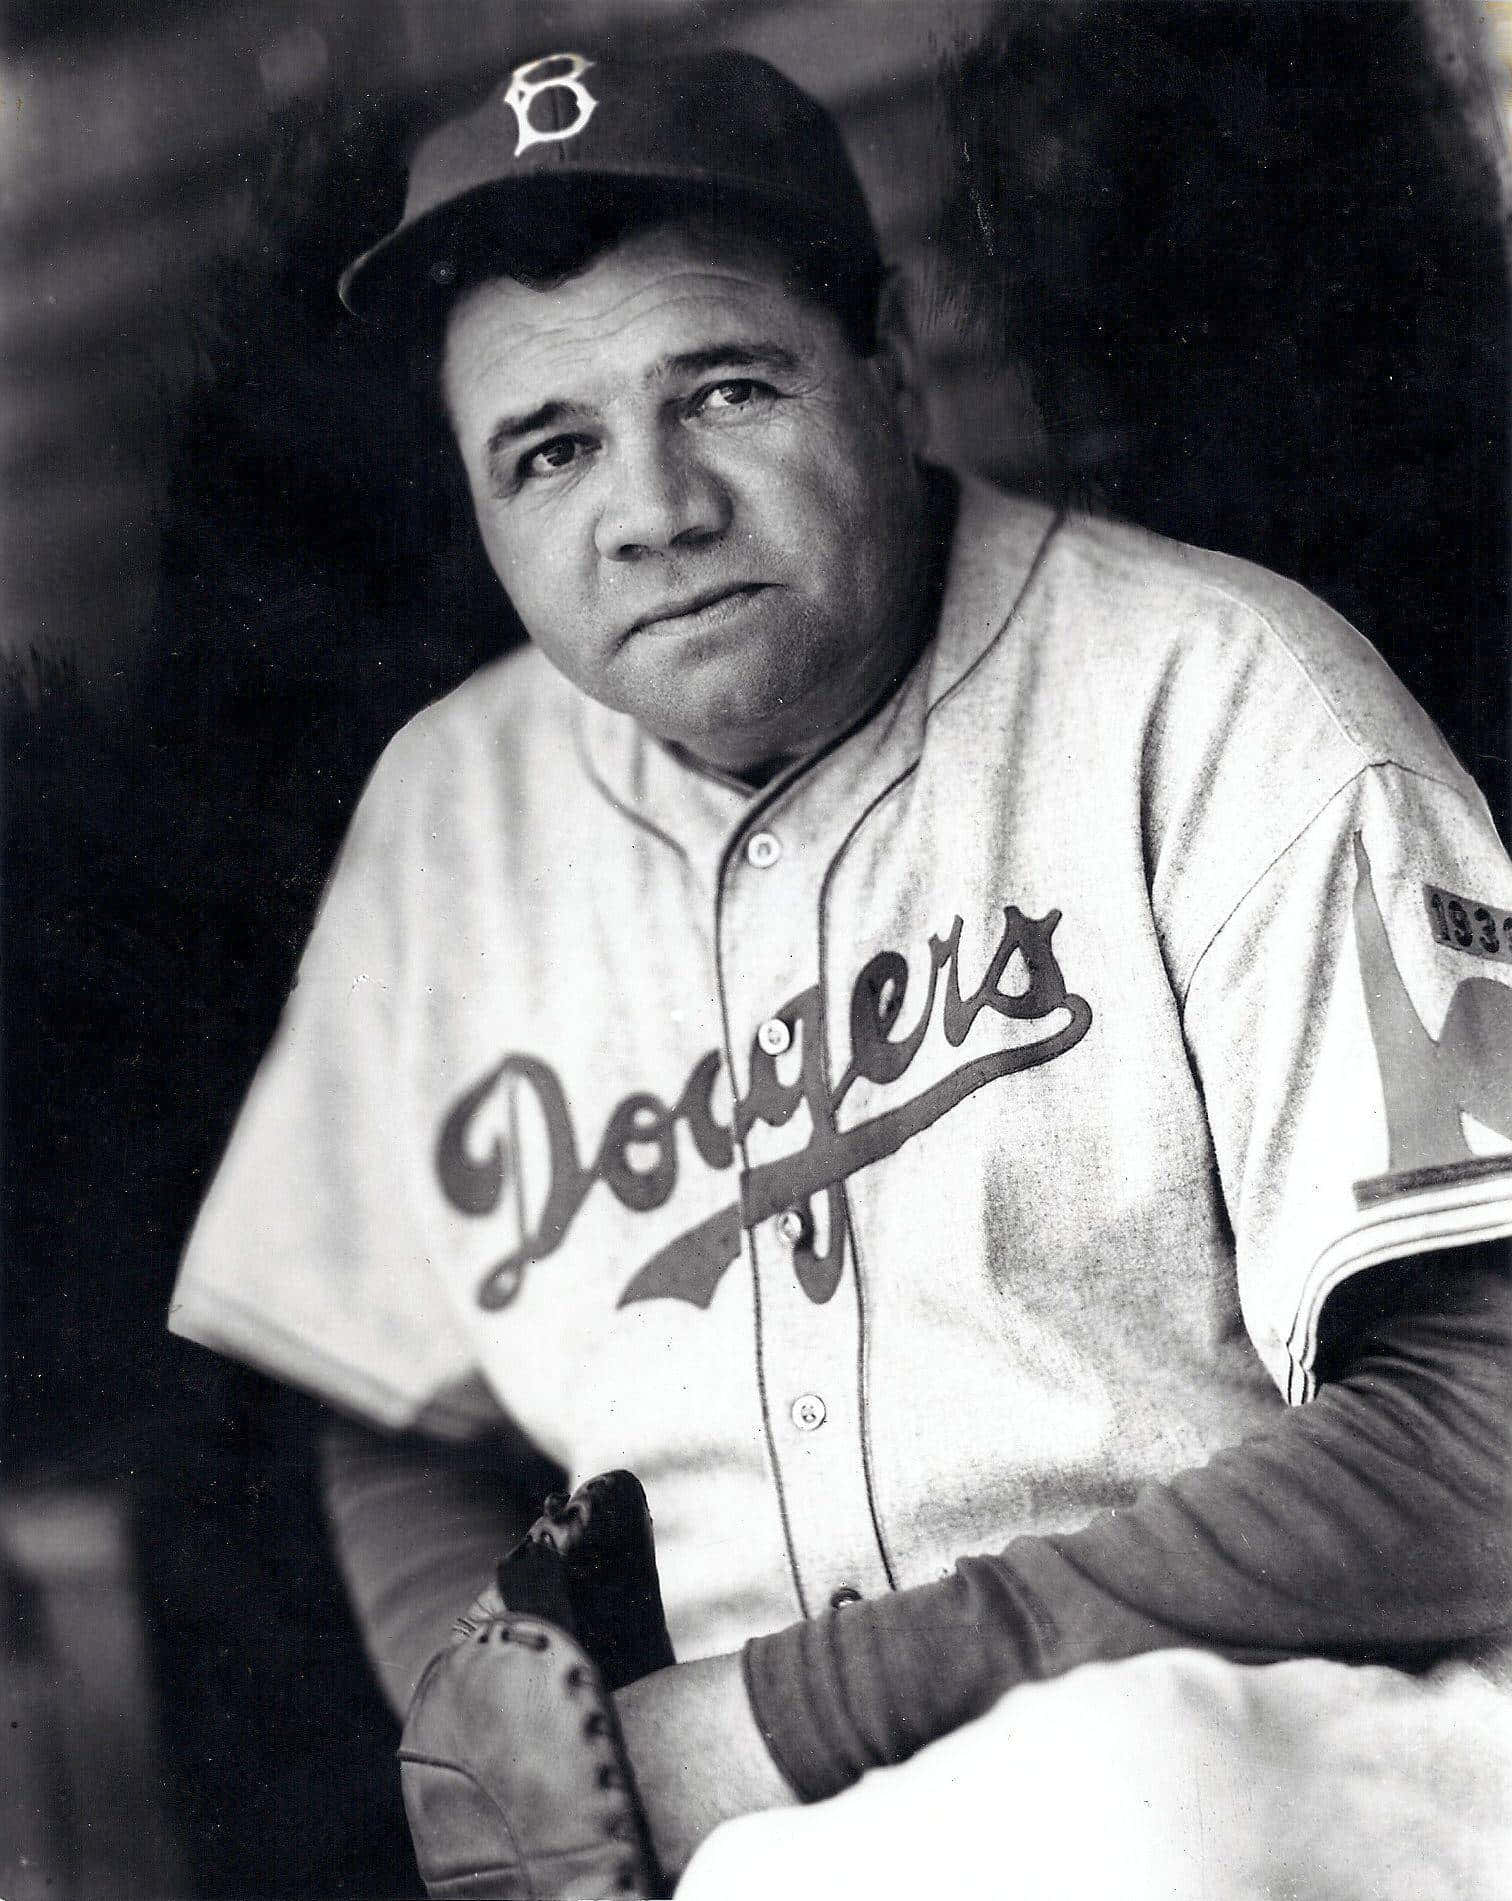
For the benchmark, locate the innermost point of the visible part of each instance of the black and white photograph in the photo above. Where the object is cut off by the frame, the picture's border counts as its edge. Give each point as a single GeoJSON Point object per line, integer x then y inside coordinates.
{"type": "Point", "coordinates": [755, 950]}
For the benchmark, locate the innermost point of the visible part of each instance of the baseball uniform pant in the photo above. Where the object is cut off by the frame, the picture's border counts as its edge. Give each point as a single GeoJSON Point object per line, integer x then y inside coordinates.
{"type": "Point", "coordinates": [1169, 1777]}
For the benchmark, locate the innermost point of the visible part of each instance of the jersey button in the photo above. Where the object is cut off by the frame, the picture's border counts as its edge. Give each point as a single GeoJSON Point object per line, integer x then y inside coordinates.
{"type": "Point", "coordinates": [809, 1412]}
{"type": "Point", "coordinates": [847, 1594]}
{"type": "Point", "coordinates": [790, 1225]}
{"type": "Point", "coordinates": [763, 849]}
{"type": "Point", "coordinates": [774, 1036]}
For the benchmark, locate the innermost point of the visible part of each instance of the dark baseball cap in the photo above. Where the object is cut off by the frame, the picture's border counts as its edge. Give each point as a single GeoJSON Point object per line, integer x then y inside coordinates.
{"type": "Point", "coordinates": [566, 135]}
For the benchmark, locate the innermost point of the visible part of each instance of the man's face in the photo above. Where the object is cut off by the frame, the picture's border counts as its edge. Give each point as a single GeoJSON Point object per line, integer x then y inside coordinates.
{"type": "Point", "coordinates": [701, 502]}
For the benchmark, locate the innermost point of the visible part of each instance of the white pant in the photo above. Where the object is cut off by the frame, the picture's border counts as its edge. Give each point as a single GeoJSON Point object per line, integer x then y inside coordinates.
{"type": "Point", "coordinates": [1172, 1777]}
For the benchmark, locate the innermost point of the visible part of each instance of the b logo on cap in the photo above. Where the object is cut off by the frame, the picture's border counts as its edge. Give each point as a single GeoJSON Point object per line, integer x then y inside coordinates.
{"type": "Point", "coordinates": [528, 82]}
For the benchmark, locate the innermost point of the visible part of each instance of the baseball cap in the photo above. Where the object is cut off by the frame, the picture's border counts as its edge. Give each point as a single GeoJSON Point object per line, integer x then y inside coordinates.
{"type": "Point", "coordinates": [566, 134]}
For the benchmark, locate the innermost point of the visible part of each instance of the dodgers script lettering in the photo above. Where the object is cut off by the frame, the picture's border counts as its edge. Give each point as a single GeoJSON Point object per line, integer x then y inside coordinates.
{"type": "Point", "coordinates": [885, 1039]}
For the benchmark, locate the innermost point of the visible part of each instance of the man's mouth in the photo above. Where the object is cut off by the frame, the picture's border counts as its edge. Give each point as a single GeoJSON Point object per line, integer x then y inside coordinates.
{"type": "Point", "coordinates": [702, 609]}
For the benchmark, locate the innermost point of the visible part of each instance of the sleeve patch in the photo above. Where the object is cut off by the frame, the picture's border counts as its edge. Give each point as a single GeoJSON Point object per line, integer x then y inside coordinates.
{"type": "Point", "coordinates": [1429, 1083]}
{"type": "Point", "coordinates": [1465, 924]}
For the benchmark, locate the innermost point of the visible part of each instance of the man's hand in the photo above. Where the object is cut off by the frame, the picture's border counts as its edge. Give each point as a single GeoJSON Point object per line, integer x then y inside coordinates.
{"type": "Point", "coordinates": [555, 1744]}
{"type": "Point", "coordinates": [1171, 1777]}
{"type": "Point", "coordinates": [697, 1754]}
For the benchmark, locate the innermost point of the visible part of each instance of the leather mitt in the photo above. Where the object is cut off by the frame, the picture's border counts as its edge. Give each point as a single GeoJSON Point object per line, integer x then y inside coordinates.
{"type": "Point", "coordinates": [514, 1773]}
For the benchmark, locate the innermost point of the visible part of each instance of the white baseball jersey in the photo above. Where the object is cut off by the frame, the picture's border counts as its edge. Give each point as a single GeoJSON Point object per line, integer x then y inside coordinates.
{"type": "Point", "coordinates": [929, 1148]}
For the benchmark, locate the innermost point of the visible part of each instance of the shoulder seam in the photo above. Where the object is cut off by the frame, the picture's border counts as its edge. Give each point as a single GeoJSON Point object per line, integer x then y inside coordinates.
{"type": "Point", "coordinates": [1216, 588]}
{"type": "Point", "coordinates": [1266, 869]}
{"type": "Point", "coordinates": [1367, 755]}
{"type": "Point", "coordinates": [1366, 765]}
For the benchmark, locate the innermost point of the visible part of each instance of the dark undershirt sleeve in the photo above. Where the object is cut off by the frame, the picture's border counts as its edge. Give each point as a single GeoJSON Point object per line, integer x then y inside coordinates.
{"type": "Point", "coordinates": [1371, 1525]}
{"type": "Point", "coordinates": [418, 1528]}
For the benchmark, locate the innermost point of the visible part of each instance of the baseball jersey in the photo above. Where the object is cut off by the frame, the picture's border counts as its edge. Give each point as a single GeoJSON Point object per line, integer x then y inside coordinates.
{"type": "Point", "coordinates": [928, 1149]}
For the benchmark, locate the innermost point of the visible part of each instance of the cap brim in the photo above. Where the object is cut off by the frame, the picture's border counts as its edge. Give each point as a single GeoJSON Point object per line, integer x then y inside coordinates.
{"type": "Point", "coordinates": [410, 277]}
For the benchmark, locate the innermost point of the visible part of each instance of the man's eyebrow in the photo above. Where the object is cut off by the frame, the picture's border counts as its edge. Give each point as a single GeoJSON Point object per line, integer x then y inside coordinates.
{"type": "Point", "coordinates": [733, 356]}
{"type": "Point", "coordinates": [510, 428]}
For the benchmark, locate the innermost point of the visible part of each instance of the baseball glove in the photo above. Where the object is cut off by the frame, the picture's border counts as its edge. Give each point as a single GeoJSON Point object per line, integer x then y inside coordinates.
{"type": "Point", "coordinates": [514, 1772]}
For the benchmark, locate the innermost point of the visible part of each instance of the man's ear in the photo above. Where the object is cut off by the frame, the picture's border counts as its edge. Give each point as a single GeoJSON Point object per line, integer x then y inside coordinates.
{"type": "Point", "coordinates": [897, 361]}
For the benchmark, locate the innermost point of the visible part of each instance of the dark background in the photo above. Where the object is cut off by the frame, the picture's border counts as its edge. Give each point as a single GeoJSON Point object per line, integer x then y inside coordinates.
{"type": "Point", "coordinates": [1232, 270]}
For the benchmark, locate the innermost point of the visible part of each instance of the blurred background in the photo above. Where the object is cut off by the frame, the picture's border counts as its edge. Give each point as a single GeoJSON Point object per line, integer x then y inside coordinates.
{"type": "Point", "coordinates": [1233, 269]}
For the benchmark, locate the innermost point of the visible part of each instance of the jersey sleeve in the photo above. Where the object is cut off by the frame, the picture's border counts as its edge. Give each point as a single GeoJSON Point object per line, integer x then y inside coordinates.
{"type": "Point", "coordinates": [310, 1258]}
{"type": "Point", "coordinates": [1351, 1023]}
{"type": "Point", "coordinates": [1366, 1527]}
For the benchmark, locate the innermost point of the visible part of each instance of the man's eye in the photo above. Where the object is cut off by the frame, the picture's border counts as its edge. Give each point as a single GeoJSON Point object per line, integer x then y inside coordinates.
{"type": "Point", "coordinates": [738, 393]}
{"type": "Point", "coordinates": [560, 453]}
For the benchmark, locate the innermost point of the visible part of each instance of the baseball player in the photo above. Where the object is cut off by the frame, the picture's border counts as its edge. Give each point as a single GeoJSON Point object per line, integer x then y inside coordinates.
{"type": "Point", "coordinates": [966, 1047]}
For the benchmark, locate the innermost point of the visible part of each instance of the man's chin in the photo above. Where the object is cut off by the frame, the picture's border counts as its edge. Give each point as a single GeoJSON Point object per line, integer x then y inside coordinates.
{"type": "Point", "coordinates": [730, 724]}
{"type": "Point", "coordinates": [751, 750]}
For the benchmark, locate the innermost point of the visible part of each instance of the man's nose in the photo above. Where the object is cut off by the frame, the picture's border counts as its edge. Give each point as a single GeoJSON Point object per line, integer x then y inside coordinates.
{"type": "Point", "coordinates": [661, 497]}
